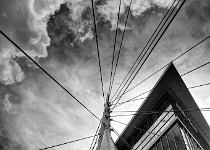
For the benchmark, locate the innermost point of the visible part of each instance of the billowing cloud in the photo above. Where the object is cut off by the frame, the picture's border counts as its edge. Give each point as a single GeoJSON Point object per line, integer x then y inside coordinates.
{"type": "Point", "coordinates": [110, 10]}
{"type": "Point", "coordinates": [26, 23]}
{"type": "Point", "coordinates": [60, 35]}
{"type": "Point", "coordinates": [10, 71]}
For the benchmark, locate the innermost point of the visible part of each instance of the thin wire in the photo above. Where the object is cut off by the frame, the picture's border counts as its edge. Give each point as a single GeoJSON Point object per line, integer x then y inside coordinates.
{"type": "Point", "coordinates": [118, 104]}
{"type": "Point", "coordinates": [153, 47]}
{"type": "Point", "coordinates": [99, 60]}
{"type": "Point", "coordinates": [147, 131]}
{"type": "Point", "coordinates": [160, 112]}
{"type": "Point", "coordinates": [95, 142]}
{"type": "Point", "coordinates": [54, 81]}
{"type": "Point", "coordinates": [169, 81]}
{"type": "Point", "coordinates": [152, 96]}
{"type": "Point", "coordinates": [67, 142]}
{"type": "Point", "coordinates": [150, 51]}
{"type": "Point", "coordinates": [165, 66]}
{"type": "Point", "coordinates": [121, 43]}
{"type": "Point", "coordinates": [113, 55]}
{"type": "Point", "coordinates": [164, 93]}
{"type": "Point", "coordinates": [142, 51]}
{"type": "Point", "coordinates": [94, 136]}
{"type": "Point", "coordinates": [147, 51]}
{"type": "Point", "coordinates": [124, 141]}
{"type": "Point", "coordinates": [47, 73]}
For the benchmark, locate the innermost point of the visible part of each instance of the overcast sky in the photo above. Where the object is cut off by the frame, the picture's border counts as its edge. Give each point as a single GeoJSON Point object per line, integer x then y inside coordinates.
{"type": "Point", "coordinates": [35, 112]}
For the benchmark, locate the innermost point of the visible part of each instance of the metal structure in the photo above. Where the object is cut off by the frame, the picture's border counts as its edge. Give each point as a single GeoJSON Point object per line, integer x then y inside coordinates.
{"type": "Point", "coordinates": [105, 141]}
{"type": "Point", "coordinates": [173, 128]}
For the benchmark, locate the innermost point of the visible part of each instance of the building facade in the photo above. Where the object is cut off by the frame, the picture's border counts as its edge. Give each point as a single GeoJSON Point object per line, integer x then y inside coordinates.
{"type": "Point", "coordinates": [167, 125]}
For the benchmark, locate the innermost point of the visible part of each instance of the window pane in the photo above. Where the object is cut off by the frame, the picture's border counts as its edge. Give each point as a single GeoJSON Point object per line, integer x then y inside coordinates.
{"type": "Point", "coordinates": [172, 145]}
{"type": "Point", "coordinates": [167, 148]}
{"type": "Point", "coordinates": [170, 135]}
{"type": "Point", "coordinates": [179, 138]}
{"type": "Point", "coordinates": [176, 131]}
{"type": "Point", "coordinates": [180, 142]}
{"type": "Point", "coordinates": [164, 140]}
{"type": "Point", "coordinates": [180, 146]}
{"type": "Point", "coordinates": [159, 147]}
{"type": "Point", "coordinates": [175, 126]}
{"type": "Point", "coordinates": [153, 148]}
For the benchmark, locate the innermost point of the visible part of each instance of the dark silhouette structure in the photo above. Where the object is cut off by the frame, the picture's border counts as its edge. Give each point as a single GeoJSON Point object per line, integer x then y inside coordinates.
{"type": "Point", "coordinates": [176, 124]}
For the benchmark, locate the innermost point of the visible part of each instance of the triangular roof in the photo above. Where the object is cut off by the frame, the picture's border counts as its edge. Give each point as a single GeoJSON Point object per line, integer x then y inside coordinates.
{"type": "Point", "coordinates": [183, 98]}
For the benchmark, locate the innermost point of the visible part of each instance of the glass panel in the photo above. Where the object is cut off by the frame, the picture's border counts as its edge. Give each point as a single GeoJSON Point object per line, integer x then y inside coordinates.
{"type": "Point", "coordinates": [153, 148]}
{"type": "Point", "coordinates": [180, 146]}
{"type": "Point", "coordinates": [173, 139]}
{"type": "Point", "coordinates": [157, 127]}
{"type": "Point", "coordinates": [159, 147]}
{"type": "Point", "coordinates": [170, 135]}
{"type": "Point", "coordinates": [167, 148]}
{"type": "Point", "coordinates": [179, 141]}
{"type": "Point", "coordinates": [176, 131]}
{"type": "Point", "coordinates": [175, 126]}
{"type": "Point", "coordinates": [172, 145]}
{"type": "Point", "coordinates": [164, 141]}
{"type": "Point", "coordinates": [192, 142]}
{"type": "Point", "coordinates": [179, 138]}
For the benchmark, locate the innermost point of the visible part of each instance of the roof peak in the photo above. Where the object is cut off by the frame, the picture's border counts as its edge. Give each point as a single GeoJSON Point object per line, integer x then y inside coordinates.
{"type": "Point", "coordinates": [171, 82]}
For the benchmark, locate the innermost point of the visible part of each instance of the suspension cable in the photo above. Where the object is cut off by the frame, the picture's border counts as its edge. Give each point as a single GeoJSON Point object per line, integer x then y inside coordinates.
{"type": "Point", "coordinates": [165, 65]}
{"type": "Point", "coordinates": [171, 92]}
{"type": "Point", "coordinates": [98, 52]}
{"type": "Point", "coordinates": [121, 44]}
{"type": "Point", "coordinates": [155, 134]}
{"type": "Point", "coordinates": [113, 55]}
{"type": "Point", "coordinates": [158, 112]}
{"type": "Point", "coordinates": [148, 53]}
{"type": "Point", "coordinates": [54, 81]}
{"type": "Point", "coordinates": [142, 50]}
{"type": "Point", "coordinates": [95, 136]}
{"type": "Point", "coordinates": [47, 73]}
{"type": "Point", "coordinates": [169, 81]}
{"type": "Point", "coordinates": [67, 142]}
{"type": "Point", "coordinates": [154, 46]}
{"type": "Point", "coordinates": [95, 142]}
{"type": "Point", "coordinates": [123, 140]}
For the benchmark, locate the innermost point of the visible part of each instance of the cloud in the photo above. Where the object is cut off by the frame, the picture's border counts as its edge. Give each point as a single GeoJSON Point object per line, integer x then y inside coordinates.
{"type": "Point", "coordinates": [8, 106]}
{"type": "Point", "coordinates": [50, 115]}
{"type": "Point", "coordinates": [39, 12]}
{"type": "Point", "coordinates": [110, 10]}
{"type": "Point", "coordinates": [29, 31]}
{"type": "Point", "coordinates": [10, 71]}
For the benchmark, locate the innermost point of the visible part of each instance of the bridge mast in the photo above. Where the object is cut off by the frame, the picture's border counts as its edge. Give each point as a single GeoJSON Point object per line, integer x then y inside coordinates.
{"type": "Point", "coordinates": [105, 141]}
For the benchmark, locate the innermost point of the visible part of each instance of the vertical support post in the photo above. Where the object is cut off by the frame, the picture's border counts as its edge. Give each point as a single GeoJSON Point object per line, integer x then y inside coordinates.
{"type": "Point", "coordinates": [105, 122]}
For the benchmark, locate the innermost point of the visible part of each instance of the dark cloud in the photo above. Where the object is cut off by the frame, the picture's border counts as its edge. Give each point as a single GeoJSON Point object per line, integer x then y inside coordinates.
{"type": "Point", "coordinates": [198, 13]}
{"type": "Point", "coordinates": [64, 40]}
{"type": "Point", "coordinates": [66, 48]}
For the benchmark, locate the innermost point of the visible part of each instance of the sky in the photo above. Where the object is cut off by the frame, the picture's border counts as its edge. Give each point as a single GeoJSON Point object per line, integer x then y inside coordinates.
{"type": "Point", "coordinates": [59, 35]}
